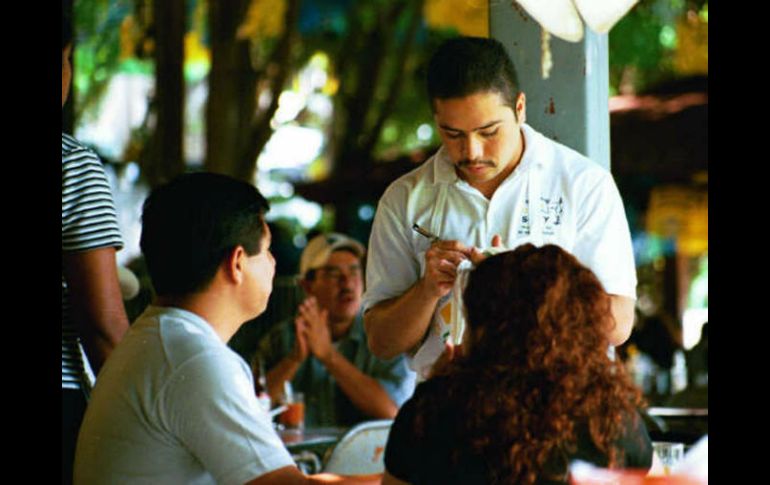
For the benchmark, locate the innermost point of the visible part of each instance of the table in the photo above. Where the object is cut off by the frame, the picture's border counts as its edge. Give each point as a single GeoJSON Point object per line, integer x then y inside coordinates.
{"type": "Point", "coordinates": [297, 440]}
{"type": "Point", "coordinates": [309, 447]}
{"type": "Point", "coordinates": [686, 425]}
{"type": "Point", "coordinates": [678, 412]}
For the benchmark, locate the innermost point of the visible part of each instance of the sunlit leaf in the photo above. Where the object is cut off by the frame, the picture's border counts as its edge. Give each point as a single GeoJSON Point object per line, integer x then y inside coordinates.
{"type": "Point", "coordinates": [264, 19]}
{"type": "Point", "coordinates": [692, 53]}
{"type": "Point", "coordinates": [468, 17]}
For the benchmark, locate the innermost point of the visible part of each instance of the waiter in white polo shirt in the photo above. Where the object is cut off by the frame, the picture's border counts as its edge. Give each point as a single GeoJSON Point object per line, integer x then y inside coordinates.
{"type": "Point", "coordinates": [494, 181]}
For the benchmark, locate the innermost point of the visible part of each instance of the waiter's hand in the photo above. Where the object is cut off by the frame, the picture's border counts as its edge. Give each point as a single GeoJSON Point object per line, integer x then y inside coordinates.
{"type": "Point", "coordinates": [441, 262]}
{"type": "Point", "coordinates": [315, 322]}
{"type": "Point", "coordinates": [450, 353]}
{"type": "Point", "coordinates": [477, 256]}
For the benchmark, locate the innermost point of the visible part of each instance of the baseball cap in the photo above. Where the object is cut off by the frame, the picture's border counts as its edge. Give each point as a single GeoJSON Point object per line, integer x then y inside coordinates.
{"type": "Point", "coordinates": [318, 250]}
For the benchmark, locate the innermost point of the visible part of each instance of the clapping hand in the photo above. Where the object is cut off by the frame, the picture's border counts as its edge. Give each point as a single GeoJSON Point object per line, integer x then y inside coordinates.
{"type": "Point", "coordinates": [312, 325]}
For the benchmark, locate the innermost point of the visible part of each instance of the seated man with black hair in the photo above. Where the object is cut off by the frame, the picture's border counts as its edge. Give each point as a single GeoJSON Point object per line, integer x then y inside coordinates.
{"type": "Point", "coordinates": [174, 404]}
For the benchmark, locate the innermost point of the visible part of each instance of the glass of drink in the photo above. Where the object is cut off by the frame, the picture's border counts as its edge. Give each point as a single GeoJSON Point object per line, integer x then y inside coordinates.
{"type": "Point", "coordinates": [669, 453]}
{"type": "Point", "coordinates": [294, 416]}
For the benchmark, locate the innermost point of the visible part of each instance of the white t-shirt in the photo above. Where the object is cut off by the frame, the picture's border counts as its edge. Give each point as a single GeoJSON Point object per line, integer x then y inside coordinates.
{"type": "Point", "coordinates": [579, 209]}
{"type": "Point", "coordinates": [174, 405]}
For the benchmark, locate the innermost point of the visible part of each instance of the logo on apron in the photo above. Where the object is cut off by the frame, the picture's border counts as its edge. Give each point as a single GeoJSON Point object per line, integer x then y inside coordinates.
{"type": "Point", "coordinates": [551, 211]}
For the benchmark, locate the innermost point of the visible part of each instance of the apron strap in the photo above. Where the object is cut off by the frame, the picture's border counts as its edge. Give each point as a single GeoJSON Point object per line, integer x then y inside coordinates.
{"type": "Point", "coordinates": [534, 209]}
{"type": "Point", "coordinates": [439, 210]}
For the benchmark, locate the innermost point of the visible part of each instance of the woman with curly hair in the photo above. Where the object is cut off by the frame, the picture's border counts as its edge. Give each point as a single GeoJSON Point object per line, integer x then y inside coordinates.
{"type": "Point", "coordinates": [534, 388]}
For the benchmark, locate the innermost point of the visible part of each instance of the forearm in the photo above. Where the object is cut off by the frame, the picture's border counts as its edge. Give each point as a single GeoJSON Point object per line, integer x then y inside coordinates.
{"type": "Point", "coordinates": [371, 479]}
{"type": "Point", "coordinates": [100, 339]}
{"type": "Point", "coordinates": [365, 392]}
{"type": "Point", "coordinates": [282, 372]}
{"type": "Point", "coordinates": [96, 304]}
{"type": "Point", "coordinates": [623, 315]}
{"type": "Point", "coordinates": [397, 325]}
{"type": "Point", "coordinates": [290, 475]}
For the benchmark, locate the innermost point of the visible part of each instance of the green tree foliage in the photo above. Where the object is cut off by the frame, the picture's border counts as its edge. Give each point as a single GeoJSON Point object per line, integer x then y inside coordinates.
{"type": "Point", "coordinates": [162, 158]}
{"type": "Point", "coordinates": [98, 48]}
{"type": "Point", "coordinates": [377, 50]}
{"type": "Point", "coordinates": [643, 43]}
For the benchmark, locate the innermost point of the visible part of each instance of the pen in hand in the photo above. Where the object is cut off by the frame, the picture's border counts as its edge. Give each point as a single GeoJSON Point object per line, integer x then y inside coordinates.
{"type": "Point", "coordinates": [475, 255]}
{"type": "Point", "coordinates": [424, 233]}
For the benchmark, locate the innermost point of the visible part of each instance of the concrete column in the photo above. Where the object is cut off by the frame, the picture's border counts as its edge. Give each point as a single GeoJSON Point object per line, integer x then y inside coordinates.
{"type": "Point", "coordinates": [572, 105]}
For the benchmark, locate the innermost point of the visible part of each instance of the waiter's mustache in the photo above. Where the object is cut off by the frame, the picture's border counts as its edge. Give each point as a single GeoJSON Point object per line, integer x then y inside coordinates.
{"type": "Point", "coordinates": [465, 162]}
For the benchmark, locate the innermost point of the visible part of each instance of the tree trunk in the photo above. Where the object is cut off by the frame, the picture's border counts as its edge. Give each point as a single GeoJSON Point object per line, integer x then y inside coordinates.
{"type": "Point", "coordinates": [235, 132]}
{"type": "Point", "coordinates": [232, 87]}
{"type": "Point", "coordinates": [363, 109]}
{"type": "Point", "coordinates": [164, 158]}
{"type": "Point", "coordinates": [281, 66]}
{"type": "Point", "coordinates": [394, 90]}
{"type": "Point", "coordinates": [360, 102]}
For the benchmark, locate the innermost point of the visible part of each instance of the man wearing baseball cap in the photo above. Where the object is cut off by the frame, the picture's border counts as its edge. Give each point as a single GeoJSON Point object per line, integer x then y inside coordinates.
{"type": "Point", "coordinates": [324, 353]}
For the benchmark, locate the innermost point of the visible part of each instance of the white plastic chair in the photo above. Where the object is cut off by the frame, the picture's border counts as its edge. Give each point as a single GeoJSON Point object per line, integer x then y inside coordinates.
{"type": "Point", "coordinates": [361, 451]}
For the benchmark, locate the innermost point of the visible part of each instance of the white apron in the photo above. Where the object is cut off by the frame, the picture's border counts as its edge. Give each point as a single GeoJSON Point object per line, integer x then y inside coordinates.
{"type": "Point", "coordinates": [448, 322]}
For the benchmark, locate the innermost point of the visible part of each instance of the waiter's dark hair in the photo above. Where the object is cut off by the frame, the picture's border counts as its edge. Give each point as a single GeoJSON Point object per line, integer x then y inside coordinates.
{"type": "Point", "coordinates": [468, 65]}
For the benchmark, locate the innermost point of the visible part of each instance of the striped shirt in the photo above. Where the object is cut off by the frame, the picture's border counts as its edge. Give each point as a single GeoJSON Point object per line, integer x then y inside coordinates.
{"type": "Point", "coordinates": [88, 221]}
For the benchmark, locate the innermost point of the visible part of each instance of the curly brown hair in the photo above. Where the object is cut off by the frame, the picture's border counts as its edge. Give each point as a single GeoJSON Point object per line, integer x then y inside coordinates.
{"type": "Point", "coordinates": [536, 365]}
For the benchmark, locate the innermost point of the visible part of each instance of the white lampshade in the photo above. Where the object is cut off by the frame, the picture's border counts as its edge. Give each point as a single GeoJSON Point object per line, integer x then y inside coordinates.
{"type": "Point", "coordinates": [602, 15]}
{"type": "Point", "coordinates": [562, 18]}
{"type": "Point", "coordinates": [559, 17]}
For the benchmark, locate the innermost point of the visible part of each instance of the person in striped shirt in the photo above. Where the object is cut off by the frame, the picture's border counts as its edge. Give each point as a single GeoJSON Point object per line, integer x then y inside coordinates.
{"type": "Point", "coordinates": [92, 308]}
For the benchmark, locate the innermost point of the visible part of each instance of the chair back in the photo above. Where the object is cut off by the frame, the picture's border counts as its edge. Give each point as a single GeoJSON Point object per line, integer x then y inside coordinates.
{"type": "Point", "coordinates": [361, 451]}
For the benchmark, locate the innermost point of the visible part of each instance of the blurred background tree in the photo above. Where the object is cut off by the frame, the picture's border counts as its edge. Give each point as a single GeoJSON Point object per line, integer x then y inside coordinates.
{"type": "Point", "coordinates": [656, 42]}
{"type": "Point", "coordinates": [321, 103]}
{"type": "Point", "coordinates": [253, 52]}
{"type": "Point", "coordinates": [282, 93]}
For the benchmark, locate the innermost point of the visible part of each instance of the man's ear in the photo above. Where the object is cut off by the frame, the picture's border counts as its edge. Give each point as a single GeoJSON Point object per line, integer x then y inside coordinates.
{"type": "Point", "coordinates": [521, 107]}
{"type": "Point", "coordinates": [234, 265]}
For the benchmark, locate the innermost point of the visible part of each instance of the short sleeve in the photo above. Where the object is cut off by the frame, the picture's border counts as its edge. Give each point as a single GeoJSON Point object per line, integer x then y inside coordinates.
{"type": "Point", "coordinates": [604, 239]}
{"type": "Point", "coordinates": [210, 407]}
{"type": "Point", "coordinates": [391, 266]}
{"type": "Point", "coordinates": [89, 219]}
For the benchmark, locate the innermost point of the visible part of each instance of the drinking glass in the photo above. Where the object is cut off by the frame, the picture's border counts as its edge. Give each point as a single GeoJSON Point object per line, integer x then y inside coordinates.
{"type": "Point", "coordinates": [669, 453]}
{"type": "Point", "coordinates": [294, 416]}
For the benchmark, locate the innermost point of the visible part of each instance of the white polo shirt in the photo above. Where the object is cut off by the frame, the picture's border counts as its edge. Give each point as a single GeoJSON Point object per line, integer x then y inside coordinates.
{"type": "Point", "coordinates": [579, 208]}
